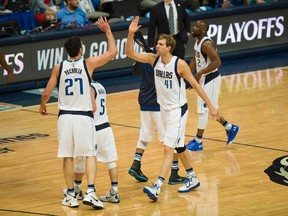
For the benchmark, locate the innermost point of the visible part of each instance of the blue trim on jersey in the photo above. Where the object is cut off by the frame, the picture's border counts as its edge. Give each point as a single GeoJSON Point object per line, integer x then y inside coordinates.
{"type": "Point", "coordinates": [102, 126]}
{"type": "Point", "coordinates": [211, 76]}
{"type": "Point", "coordinates": [155, 62]}
{"type": "Point", "coordinates": [59, 73]}
{"type": "Point", "coordinates": [94, 90]}
{"type": "Point", "coordinates": [72, 112]}
{"type": "Point", "coordinates": [69, 60]}
{"type": "Point", "coordinates": [150, 108]}
{"type": "Point", "coordinates": [184, 109]}
{"type": "Point", "coordinates": [86, 70]}
{"type": "Point", "coordinates": [176, 72]}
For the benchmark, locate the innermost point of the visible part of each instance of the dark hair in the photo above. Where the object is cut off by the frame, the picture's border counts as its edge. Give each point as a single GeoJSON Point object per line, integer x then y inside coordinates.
{"type": "Point", "coordinates": [170, 41]}
{"type": "Point", "coordinates": [205, 25]}
{"type": "Point", "coordinates": [73, 45]}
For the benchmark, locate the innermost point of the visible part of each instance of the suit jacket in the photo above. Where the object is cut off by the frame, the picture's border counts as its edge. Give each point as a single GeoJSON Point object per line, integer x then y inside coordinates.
{"type": "Point", "coordinates": [158, 20]}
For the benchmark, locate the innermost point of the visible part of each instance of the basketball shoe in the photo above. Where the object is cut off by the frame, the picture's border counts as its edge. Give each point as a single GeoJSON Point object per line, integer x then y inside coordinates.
{"type": "Point", "coordinates": [193, 145]}
{"type": "Point", "coordinates": [175, 178]}
{"type": "Point", "coordinates": [111, 197]}
{"type": "Point", "coordinates": [78, 192]}
{"type": "Point", "coordinates": [92, 200]}
{"type": "Point", "coordinates": [190, 184]}
{"type": "Point", "coordinates": [70, 201]}
{"type": "Point", "coordinates": [135, 171]}
{"type": "Point", "coordinates": [232, 133]}
{"type": "Point", "coordinates": [153, 192]}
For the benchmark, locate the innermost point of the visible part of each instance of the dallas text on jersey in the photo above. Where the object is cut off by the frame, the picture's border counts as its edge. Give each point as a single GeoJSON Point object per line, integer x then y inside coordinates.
{"type": "Point", "coordinates": [164, 74]}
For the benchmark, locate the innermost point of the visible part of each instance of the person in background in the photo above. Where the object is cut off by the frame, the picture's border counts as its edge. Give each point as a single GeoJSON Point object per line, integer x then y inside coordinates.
{"type": "Point", "coordinates": [146, 5]}
{"type": "Point", "coordinates": [72, 15]}
{"type": "Point", "coordinates": [193, 5]}
{"type": "Point", "coordinates": [206, 61]}
{"type": "Point", "coordinates": [49, 14]}
{"type": "Point", "coordinates": [169, 73]}
{"type": "Point", "coordinates": [5, 66]}
{"type": "Point", "coordinates": [96, 4]}
{"type": "Point", "coordinates": [59, 3]}
{"type": "Point", "coordinates": [253, 2]}
{"type": "Point", "coordinates": [40, 6]}
{"type": "Point", "coordinates": [170, 17]}
{"type": "Point", "coordinates": [229, 3]}
{"type": "Point", "coordinates": [76, 129]}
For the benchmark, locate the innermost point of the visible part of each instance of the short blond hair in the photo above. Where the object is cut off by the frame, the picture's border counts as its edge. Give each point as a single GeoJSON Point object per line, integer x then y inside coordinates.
{"type": "Point", "coordinates": [170, 41]}
{"type": "Point", "coordinates": [49, 11]}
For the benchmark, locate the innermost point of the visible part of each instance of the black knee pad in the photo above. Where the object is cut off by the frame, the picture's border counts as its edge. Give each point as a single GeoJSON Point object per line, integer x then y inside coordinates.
{"type": "Point", "coordinates": [180, 149]}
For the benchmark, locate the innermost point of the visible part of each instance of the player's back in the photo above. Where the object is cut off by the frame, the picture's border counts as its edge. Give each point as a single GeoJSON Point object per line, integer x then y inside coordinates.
{"type": "Point", "coordinates": [74, 86]}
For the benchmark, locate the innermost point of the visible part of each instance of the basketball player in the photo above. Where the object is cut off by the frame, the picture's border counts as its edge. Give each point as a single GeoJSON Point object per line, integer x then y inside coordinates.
{"type": "Point", "coordinates": [106, 148]}
{"type": "Point", "coordinates": [76, 129]}
{"type": "Point", "coordinates": [150, 119]}
{"type": "Point", "coordinates": [169, 74]}
{"type": "Point", "coordinates": [206, 61]}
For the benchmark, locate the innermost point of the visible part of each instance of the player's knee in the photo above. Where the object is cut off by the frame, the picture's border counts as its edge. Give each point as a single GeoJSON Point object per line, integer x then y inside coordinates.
{"type": "Point", "coordinates": [111, 165]}
{"type": "Point", "coordinates": [142, 145]}
{"type": "Point", "coordinates": [180, 149]}
{"type": "Point", "coordinates": [79, 165]}
{"type": "Point", "coordinates": [202, 120]}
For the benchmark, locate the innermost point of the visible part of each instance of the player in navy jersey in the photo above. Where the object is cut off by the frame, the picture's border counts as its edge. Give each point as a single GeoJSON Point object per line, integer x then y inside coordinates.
{"type": "Point", "coordinates": [169, 75]}
{"type": "Point", "coordinates": [206, 61]}
{"type": "Point", "coordinates": [75, 120]}
{"type": "Point", "coordinates": [150, 120]}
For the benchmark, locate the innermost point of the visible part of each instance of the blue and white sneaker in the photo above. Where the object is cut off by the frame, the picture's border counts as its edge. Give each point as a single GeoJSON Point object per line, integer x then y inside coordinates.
{"type": "Point", "coordinates": [91, 199]}
{"type": "Point", "coordinates": [78, 192]}
{"type": "Point", "coordinates": [153, 192]}
{"type": "Point", "coordinates": [193, 145]}
{"type": "Point", "coordinates": [232, 133]}
{"type": "Point", "coordinates": [70, 201]}
{"type": "Point", "coordinates": [190, 184]}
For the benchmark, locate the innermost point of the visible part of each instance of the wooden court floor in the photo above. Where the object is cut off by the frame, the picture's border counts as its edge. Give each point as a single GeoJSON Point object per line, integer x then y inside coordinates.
{"type": "Point", "coordinates": [233, 181]}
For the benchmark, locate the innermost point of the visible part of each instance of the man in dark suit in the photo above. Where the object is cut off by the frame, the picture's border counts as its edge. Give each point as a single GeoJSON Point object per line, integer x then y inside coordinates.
{"type": "Point", "coordinates": [159, 22]}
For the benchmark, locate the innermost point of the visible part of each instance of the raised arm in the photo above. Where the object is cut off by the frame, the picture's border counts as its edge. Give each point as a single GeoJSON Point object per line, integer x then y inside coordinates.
{"type": "Point", "coordinates": [98, 61]}
{"type": "Point", "coordinates": [130, 52]}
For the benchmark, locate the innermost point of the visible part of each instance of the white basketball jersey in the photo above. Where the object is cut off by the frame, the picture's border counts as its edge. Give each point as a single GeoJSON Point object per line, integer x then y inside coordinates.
{"type": "Point", "coordinates": [100, 115]}
{"type": "Point", "coordinates": [170, 87]}
{"type": "Point", "coordinates": [74, 86]}
{"type": "Point", "coordinates": [202, 60]}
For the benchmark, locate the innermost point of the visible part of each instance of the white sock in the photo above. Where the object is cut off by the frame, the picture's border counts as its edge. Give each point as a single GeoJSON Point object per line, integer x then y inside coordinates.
{"type": "Point", "coordinates": [90, 190]}
{"type": "Point", "coordinates": [228, 126]}
{"type": "Point", "coordinates": [114, 190]}
{"type": "Point", "coordinates": [198, 140]}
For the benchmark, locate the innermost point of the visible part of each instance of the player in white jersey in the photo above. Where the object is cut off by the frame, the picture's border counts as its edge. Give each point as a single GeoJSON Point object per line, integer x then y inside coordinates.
{"type": "Point", "coordinates": [106, 147]}
{"type": "Point", "coordinates": [169, 73]}
{"type": "Point", "coordinates": [206, 61]}
{"type": "Point", "coordinates": [75, 121]}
